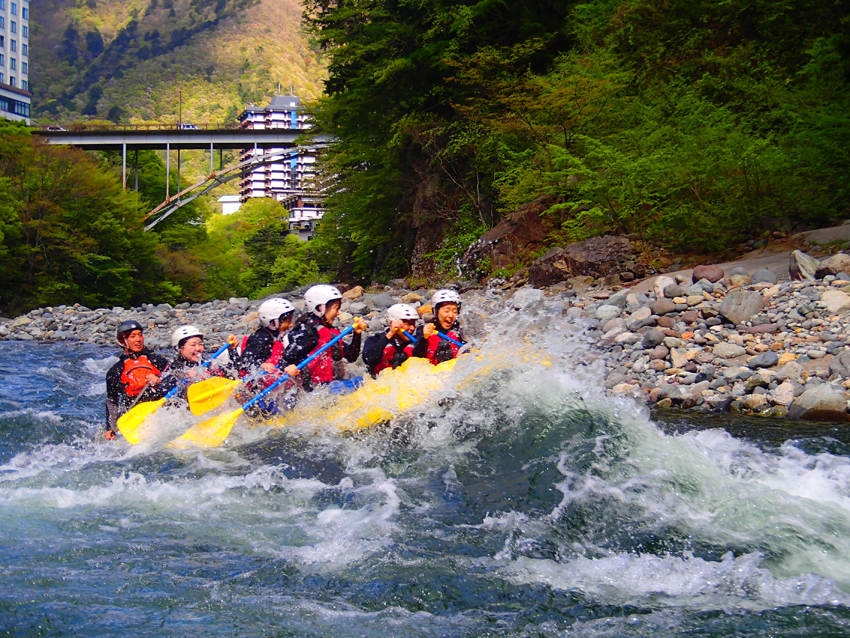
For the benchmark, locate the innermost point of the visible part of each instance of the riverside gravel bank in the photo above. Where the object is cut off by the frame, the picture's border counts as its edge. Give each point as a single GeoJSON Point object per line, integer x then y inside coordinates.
{"type": "Point", "coordinates": [737, 341]}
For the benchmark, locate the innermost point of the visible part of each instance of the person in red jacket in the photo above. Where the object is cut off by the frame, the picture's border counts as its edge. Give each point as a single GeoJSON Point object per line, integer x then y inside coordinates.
{"type": "Point", "coordinates": [264, 349]}
{"type": "Point", "coordinates": [392, 348]}
{"type": "Point", "coordinates": [313, 330]}
{"type": "Point", "coordinates": [445, 304]}
{"type": "Point", "coordinates": [135, 378]}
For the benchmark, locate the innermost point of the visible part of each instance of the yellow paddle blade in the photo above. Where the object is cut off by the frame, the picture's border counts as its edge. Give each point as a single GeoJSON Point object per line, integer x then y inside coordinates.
{"type": "Point", "coordinates": [129, 423]}
{"type": "Point", "coordinates": [208, 395]}
{"type": "Point", "coordinates": [209, 433]}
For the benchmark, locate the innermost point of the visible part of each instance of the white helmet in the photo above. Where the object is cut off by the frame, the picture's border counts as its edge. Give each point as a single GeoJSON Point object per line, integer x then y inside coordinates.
{"type": "Point", "coordinates": [402, 311]}
{"type": "Point", "coordinates": [318, 297]}
{"type": "Point", "coordinates": [444, 296]}
{"type": "Point", "coordinates": [271, 310]}
{"type": "Point", "coordinates": [182, 333]}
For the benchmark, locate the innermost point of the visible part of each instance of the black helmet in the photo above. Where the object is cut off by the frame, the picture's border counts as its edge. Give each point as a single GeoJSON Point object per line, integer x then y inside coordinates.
{"type": "Point", "coordinates": [128, 326]}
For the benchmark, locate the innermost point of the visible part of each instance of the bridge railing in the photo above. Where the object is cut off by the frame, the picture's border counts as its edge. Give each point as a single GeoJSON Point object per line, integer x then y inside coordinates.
{"type": "Point", "coordinates": [100, 126]}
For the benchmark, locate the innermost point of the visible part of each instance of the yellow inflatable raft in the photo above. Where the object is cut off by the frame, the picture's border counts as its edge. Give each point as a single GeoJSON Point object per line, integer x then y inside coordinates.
{"type": "Point", "coordinates": [390, 395]}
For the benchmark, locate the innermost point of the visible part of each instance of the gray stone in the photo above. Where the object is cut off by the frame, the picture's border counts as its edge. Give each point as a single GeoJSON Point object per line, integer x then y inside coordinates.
{"type": "Point", "coordinates": [738, 270]}
{"type": "Point", "coordinates": [835, 301]}
{"type": "Point", "coordinates": [802, 267]}
{"type": "Point", "coordinates": [764, 276]}
{"type": "Point", "coordinates": [525, 296]}
{"type": "Point", "coordinates": [740, 305]}
{"type": "Point", "coordinates": [652, 339]}
{"type": "Point", "coordinates": [764, 360]}
{"type": "Point", "coordinates": [728, 350]}
{"type": "Point", "coordinates": [663, 306]}
{"type": "Point", "coordinates": [822, 402]}
{"type": "Point", "coordinates": [840, 364]}
{"type": "Point", "coordinates": [673, 290]}
{"type": "Point", "coordinates": [606, 312]}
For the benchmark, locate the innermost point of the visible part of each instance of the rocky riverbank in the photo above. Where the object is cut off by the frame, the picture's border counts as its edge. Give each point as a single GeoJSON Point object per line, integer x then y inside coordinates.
{"type": "Point", "coordinates": [738, 341]}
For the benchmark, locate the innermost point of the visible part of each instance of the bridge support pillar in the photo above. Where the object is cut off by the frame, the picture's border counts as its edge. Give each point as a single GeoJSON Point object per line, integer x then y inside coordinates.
{"type": "Point", "coordinates": [124, 166]}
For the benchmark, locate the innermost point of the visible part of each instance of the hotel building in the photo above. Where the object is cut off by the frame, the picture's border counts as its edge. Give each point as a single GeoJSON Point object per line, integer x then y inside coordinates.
{"type": "Point", "coordinates": [290, 177]}
{"type": "Point", "coordinates": [15, 96]}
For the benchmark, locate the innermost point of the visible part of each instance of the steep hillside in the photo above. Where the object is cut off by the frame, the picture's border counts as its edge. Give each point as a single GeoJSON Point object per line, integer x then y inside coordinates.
{"type": "Point", "coordinates": [146, 60]}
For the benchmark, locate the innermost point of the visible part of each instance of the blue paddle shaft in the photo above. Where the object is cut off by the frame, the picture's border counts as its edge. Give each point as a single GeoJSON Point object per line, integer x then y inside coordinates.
{"type": "Point", "coordinates": [448, 338]}
{"type": "Point", "coordinates": [409, 336]}
{"type": "Point", "coordinates": [182, 382]}
{"type": "Point", "coordinates": [300, 367]}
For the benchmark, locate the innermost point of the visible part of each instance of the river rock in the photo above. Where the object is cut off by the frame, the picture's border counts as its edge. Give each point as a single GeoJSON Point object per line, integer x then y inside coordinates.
{"type": "Point", "coordinates": [596, 257]}
{"type": "Point", "coordinates": [526, 296]}
{"type": "Point", "coordinates": [728, 350]}
{"type": "Point", "coordinates": [836, 301]}
{"type": "Point", "coordinates": [709, 272]}
{"type": "Point", "coordinates": [740, 305]}
{"type": "Point", "coordinates": [840, 364]}
{"type": "Point", "coordinates": [764, 276]}
{"type": "Point", "coordinates": [822, 402]}
{"type": "Point", "coordinates": [764, 360]}
{"type": "Point", "coordinates": [802, 267]}
{"type": "Point", "coordinates": [833, 265]}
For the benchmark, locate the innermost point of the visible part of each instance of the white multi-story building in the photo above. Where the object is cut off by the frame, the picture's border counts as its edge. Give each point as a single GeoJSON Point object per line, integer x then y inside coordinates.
{"type": "Point", "coordinates": [289, 178]}
{"type": "Point", "coordinates": [15, 96]}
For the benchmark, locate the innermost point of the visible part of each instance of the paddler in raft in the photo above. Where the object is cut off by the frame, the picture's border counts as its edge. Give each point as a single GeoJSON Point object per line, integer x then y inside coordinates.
{"type": "Point", "coordinates": [263, 350]}
{"type": "Point", "coordinates": [392, 348]}
{"type": "Point", "coordinates": [445, 305]}
{"type": "Point", "coordinates": [187, 367]}
{"type": "Point", "coordinates": [313, 330]}
{"type": "Point", "coordinates": [135, 378]}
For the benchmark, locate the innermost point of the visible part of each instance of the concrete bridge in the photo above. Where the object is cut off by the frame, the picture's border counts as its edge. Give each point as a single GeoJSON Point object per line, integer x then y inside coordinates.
{"type": "Point", "coordinates": [210, 137]}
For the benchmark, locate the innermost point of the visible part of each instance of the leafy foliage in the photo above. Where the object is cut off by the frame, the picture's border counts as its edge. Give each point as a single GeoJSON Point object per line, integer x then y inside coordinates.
{"type": "Point", "coordinates": [69, 231]}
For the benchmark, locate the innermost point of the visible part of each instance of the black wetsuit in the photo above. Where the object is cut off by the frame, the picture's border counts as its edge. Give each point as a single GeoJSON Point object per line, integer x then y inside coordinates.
{"type": "Point", "coordinates": [117, 399]}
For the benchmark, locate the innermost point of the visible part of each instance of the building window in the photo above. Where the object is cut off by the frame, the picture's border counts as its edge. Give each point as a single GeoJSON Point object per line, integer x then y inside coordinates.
{"type": "Point", "coordinates": [2, 60]}
{"type": "Point", "coordinates": [2, 5]}
{"type": "Point", "coordinates": [13, 26]}
{"type": "Point", "coordinates": [24, 49]}
{"type": "Point", "coordinates": [13, 65]}
{"type": "Point", "coordinates": [2, 79]}
{"type": "Point", "coordinates": [13, 45]}
{"type": "Point", "coordinates": [24, 85]}
{"type": "Point", "coordinates": [25, 31]}
{"type": "Point", "coordinates": [24, 68]}
{"type": "Point", "coordinates": [11, 80]}
{"type": "Point", "coordinates": [25, 13]}
{"type": "Point", "coordinates": [14, 8]}
{"type": "Point", "coordinates": [2, 22]}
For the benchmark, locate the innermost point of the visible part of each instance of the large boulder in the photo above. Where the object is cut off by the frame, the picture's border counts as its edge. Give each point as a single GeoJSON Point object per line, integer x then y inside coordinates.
{"type": "Point", "coordinates": [523, 231]}
{"type": "Point", "coordinates": [596, 257]}
{"type": "Point", "coordinates": [833, 265]}
{"type": "Point", "coordinates": [820, 403]}
{"type": "Point", "coordinates": [802, 266]}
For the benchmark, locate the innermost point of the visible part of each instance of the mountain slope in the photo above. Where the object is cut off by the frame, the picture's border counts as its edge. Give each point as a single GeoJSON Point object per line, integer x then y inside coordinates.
{"type": "Point", "coordinates": [148, 60]}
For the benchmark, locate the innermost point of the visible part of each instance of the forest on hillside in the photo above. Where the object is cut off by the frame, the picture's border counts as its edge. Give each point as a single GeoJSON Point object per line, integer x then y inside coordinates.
{"type": "Point", "coordinates": [693, 125]}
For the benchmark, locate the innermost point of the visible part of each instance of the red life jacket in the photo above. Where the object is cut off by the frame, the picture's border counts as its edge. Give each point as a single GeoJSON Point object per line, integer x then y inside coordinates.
{"type": "Point", "coordinates": [274, 359]}
{"type": "Point", "coordinates": [434, 342]}
{"type": "Point", "coordinates": [389, 354]}
{"type": "Point", "coordinates": [322, 368]}
{"type": "Point", "coordinates": [135, 373]}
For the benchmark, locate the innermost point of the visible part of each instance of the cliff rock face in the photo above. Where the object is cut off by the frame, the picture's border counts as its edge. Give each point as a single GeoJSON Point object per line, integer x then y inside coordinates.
{"type": "Point", "coordinates": [596, 257]}
{"type": "Point", "coordinates": [523, 231]}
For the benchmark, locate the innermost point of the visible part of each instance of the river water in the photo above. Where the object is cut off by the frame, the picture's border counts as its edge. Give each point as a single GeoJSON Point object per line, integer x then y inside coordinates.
{"type": "Point", "coordinates": [522, 504]}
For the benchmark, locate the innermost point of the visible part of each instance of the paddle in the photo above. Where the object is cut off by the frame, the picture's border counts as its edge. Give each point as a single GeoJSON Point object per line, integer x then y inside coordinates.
{"type": "Point", "coordinates": [409, 336]}
{"type": "Point", "coordinates": [213, 431]}
{"type": "Point", "coordinates": [208, 395]}
{"type": "Point", "coordinates": [448, 338]}
{"type": "Point", "coordinates": [130, 421]}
